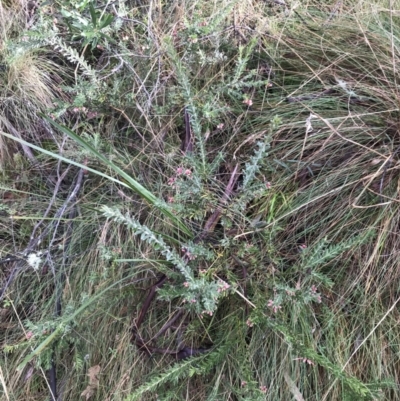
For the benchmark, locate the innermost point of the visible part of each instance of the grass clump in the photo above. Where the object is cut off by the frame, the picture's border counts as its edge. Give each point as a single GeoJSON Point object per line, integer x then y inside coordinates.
{"type": "Point", "coordinates": [199, 201]}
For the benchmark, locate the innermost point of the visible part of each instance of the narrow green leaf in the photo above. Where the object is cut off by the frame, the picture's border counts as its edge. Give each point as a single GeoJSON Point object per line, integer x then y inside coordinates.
{"type": "Point", "coordinates": [93, 14]}
{"type": "Point", "coordinates": [132, 183]}
{"type": "Point", "coordinates": [44, 344]}
{"type": "Point", "coordinates": [129, 181]}
{"type": "Point", "coordinates": [106, 20]}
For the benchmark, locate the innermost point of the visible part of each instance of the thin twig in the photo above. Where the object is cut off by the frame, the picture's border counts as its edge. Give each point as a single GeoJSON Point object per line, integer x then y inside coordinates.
{"type": "Point", "coordinates": [27, 151]}
{"type": "Point", "coordinates": [182, 352]}
{"type": "Point", "coordinates": [214, 218]}
{"type": "Point", "coordinates": [35, 241]}
{"type": "Point", "coordinates": [333, 13]}
{"type": "Point", "coordinates": [60, 282]}
{"type": "Point", "coordinates": [187, 142]}
{"type": "Point", "coordinates": [387, 163]}
{"type": "Point", "coordinates": [168, 325]}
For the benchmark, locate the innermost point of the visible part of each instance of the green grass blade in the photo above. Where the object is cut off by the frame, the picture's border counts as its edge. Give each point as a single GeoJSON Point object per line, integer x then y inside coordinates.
{"type": "Point", "coordinates": [132, 183]}
{"type": "Point", "coordinates": [129, 181]}
{"type": "Point", "coordinates": [44, 344]}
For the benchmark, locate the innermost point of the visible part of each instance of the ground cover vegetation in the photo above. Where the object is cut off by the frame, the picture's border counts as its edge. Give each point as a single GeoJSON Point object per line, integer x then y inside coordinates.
{"type": "Point", "coordinates": [199, 200]}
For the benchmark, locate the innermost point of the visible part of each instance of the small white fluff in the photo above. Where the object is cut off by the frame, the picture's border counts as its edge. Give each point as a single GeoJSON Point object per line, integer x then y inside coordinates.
{"type": "Point", "coordinates": [34, 260]}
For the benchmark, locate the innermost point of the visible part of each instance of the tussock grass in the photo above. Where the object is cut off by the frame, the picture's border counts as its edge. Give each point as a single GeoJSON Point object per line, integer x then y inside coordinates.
{"type": "Point", "coordinates": [319, 222]}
